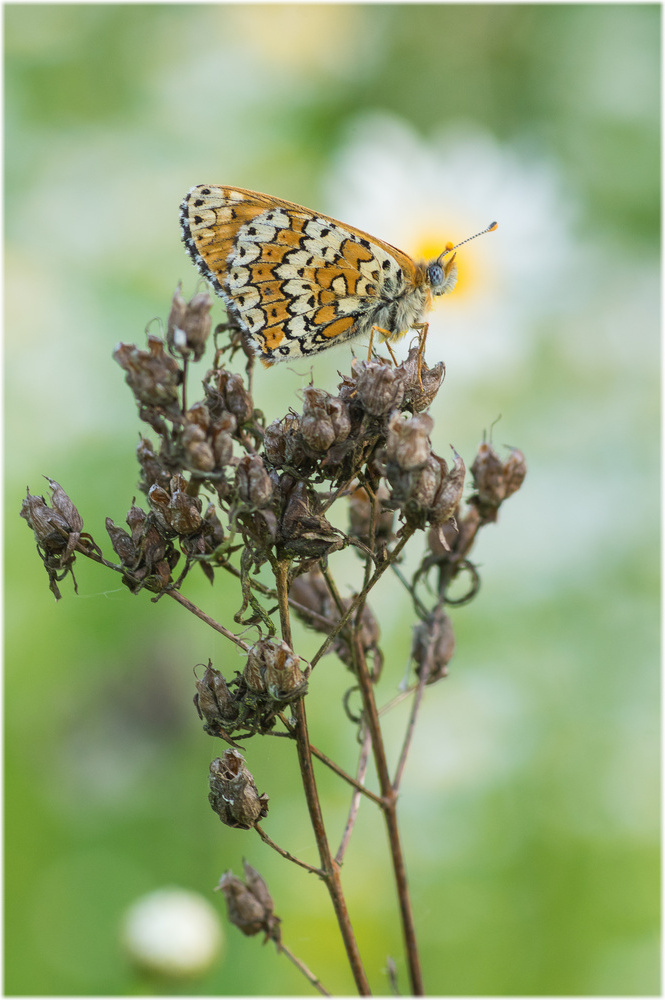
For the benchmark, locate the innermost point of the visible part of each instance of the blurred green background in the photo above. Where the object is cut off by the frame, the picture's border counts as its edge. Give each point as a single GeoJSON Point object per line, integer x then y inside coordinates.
{"type": "Point", "coordinates": [531, 802]}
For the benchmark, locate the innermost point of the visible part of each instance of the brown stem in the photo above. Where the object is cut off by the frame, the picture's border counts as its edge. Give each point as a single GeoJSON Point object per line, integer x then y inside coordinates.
{"type": "Point", "coordinates": [389, 806]}
{"type": "Point", "coordinates": [316, 983]}
{"type": "Point", "coordinates": [177, 596]}
{"type": "Point", "coordinates": [329, 867]}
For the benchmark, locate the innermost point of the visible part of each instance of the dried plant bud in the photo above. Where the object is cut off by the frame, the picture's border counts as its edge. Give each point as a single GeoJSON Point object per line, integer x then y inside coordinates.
{"type": "Point", "coordinates": [152, 470]}
{"type": "Point", "coordinates": [233, 792]}
{"type": "Point", "coordinates": [360, 516]}
{"type": "Point", "coordinates": [303, 533]}
{"type": "Point", "coordinates": [494, 480]}
{"type": "Point", "coordinates": [249, 904]}
{"type": "Point", "coordinates": [433, 645]}
{"type": "Point", "coordinates": [454, 537]}
{"type": "Point", "coordinates": [487, 471]}
{"type": "Point", "coordinates": [57, 532]}
{"type": "Point", "coordinates": [177, 512]}
{"type": "Point", "coordinates": [215, 703]}
{"type": "Point", "coordinates": [514, 471]}
{"type": "Point", "coordinates": [225, 391]}
{"type": "Point", "coordinates": [122, 544]}
{"type": "Point", "coordinates": [156, 556]}
{"type": "Point", "coordinates": [283, 443]}
{"type": "Point", "coordinates": [189, 324]}
{"type": "Point", "coordinates": [198, 454]}
{"type": "Point", "coordinates": [221, 435]}
{"type": "Point", "coordinates": [273, 670]}
{"type": "Point", "coordinates": [449, 494]}
{"type": "Point", "coordinates": [198, 414]}
{"type": "Point", "coordinates": [136, 519]}
{"type": "Point", "coordinates": [325, 420]}
{"type": "Point", "coordinates": [415, 492]}
{"type": "Point", "coordinates": [58, 528]}
{"type": "Point", "coordinates": [213, 529]}
{"type": "Point", "coordinates": [253, 484]}
{"type": "Point", "coordinates": [416, 395]}
{"type": "Point", "coordinates": [379, 387]}
{"type": "Point", "coordinates": [407, 441]}
{"type": "Point", "coordinates": [152, 375]}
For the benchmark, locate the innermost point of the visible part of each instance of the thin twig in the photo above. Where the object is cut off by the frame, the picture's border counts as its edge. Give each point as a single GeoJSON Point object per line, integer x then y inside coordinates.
{"type": "Point", "coordinates": [303, 968]}
{"type": "Point", "coordinates": [411, 725]}
{"type": "Point", "coordinates": [285, 854]}
{"type": "Point", "coordinates": [355, 799]}
{"type": "Point", "coordinates": [177, 596]}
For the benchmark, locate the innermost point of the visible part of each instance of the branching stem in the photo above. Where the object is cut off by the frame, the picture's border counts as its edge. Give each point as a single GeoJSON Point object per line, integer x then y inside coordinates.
{"type": "Point", "coordinates": [330, 872]}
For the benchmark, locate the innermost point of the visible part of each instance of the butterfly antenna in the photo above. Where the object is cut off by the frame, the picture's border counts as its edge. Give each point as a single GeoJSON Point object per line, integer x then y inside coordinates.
{"type": "Point", "coordinates": [449, 246]}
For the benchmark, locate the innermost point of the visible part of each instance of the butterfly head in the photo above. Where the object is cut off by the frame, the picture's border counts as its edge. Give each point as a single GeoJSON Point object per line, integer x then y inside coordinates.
{"type": "Point", "coordinates": [442, 273]}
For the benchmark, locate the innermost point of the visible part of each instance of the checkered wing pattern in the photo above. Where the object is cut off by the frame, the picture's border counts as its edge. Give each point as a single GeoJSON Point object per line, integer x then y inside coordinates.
{"type": "Point", "coordinates": [295, 281]}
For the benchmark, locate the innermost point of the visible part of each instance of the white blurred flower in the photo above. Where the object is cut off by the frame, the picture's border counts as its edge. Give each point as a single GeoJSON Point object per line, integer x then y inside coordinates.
{"type": "Point", "coordinates": [172, 932]}
{"type": "Point", "coordinates": [419, 193]}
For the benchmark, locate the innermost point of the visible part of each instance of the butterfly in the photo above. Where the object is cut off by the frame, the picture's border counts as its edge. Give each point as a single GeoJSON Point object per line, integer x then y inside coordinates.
{"type": "Point", "coordinates": [297, 282]}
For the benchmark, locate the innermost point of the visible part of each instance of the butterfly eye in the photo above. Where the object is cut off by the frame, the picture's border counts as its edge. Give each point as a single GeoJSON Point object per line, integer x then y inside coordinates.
{"type": "Point", "coordinates": [435, 275]}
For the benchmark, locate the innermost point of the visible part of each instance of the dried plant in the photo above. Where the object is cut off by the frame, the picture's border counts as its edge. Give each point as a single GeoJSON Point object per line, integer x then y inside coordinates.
{"type": "Point", "coordinates": [228, 493]}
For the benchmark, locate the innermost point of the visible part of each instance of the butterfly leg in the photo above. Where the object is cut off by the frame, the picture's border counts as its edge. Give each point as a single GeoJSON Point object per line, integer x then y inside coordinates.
{"type": "Point", "coordinates": [386, 334]}
{"type": "Point", "coordinates": [422, 330]}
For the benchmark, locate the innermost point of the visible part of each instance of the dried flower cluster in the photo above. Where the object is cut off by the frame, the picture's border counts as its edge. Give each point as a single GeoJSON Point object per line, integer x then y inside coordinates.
{"type": "Point", "coordinates": [228, 492]}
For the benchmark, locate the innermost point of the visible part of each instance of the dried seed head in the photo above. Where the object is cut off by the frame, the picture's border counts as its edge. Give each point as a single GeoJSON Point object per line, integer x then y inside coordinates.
{"type": "Point", "coordinates": [433, 645]}
{"type": "Point", "coordinates": [221, 437]}
{"type": "Point", "coordinates": [51, 526]}
{"type": "Point", "coordinates": [407, 442]}
{"type": "Point", "coordinates": [215, 703]}
{"type": "Point", "coordinates": [304, 533]}
{"type": "Point", "coordinates": [487, 472]}
{"type": "Point", "coordinates": [253, 484]}
{"type": "Point", "coordinates": [177, 512]}
{"type": "Point", "coordinates": [122, 544]}
{"type": "Point", "coordinates": [233, 792]}
{"type": "Point", "coordinates": [283, 443]}
{"type": "Point", "coordinates": [189, 324]}
{"type": "Point", "coordinates": [57, 532]}
{"type": "Point", "coordinates": [379, 388]}
{"type": "Point", "coordinates": [325, 420]}
{"type": "Point", "coordinates": [198, 455]}
{"type": "Point", "coordinates": [514, 471]}
{"type": "Point", "coordinates": [152, 469]}
{"type": "Point", "coordinates": [152, 375]}
{"type": "Point", "coordinates": [273, 670]}
{"type": "Point", "coordinates": [416, 396]}
{"type": "Point", "coordinates": [449, 494]}
{"type": "Point", "coordinates": [249, 903]}
{"type": "Point", "coordinates": [225, 391]}
{"type": "Point", "coordinates": [495, 480]}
